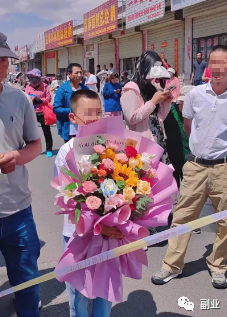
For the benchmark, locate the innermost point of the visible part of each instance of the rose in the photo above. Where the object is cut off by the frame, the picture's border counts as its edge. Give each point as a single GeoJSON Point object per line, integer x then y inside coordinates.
{"type": "Point", "coordinates": [100, 149]}
{"type": "Point", "coordinates": [130, 152]}
{"type": "Point", "coordinates": [109, 188]}
{"type": "Point", "coordinates": [129, 194]}
{"type": "Point", "coordinates": [122, 158]}
{"type": "Point", "coordinates": [102, 173]}
{"type": "Point", "coordinates": [133, 205]}
{"type": "Point", "coordinates": [133, 163]}
{"type": "Point", "coordinates": [143, 188]}
{"type": "Point", "coordinates": [112, 146]}
{"type": "Point", "coordinates": [101, 180]}
{"type": "Point", "coordinates": [89, 187]}
{"type": "Point", "coordinates": [108, 164]}
{"type": "Point", "coordinates": [93, 202]}
{"type": "Point", "coordinates": [145, 179]}
{"type": "Point", "coordinates": [94, 171]}
{"type": "Point", "coordinates": [114, 202]}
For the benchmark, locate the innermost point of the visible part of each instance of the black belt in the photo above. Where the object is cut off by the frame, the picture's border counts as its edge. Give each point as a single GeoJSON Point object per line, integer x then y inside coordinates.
{"type": "Point", "coordinates": [193, 158]}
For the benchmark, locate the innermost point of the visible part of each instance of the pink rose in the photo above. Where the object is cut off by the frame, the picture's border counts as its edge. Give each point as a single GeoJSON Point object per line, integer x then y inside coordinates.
{"type": "Point", "coordinates": [99, 149]}
{"type": "Point", "coordinates": [112, 146]}
{"type": "Point", "coordinates": [93, 202]}
{"type": "Point", "coordinates": [89, 187]}
{"type": "Point", "coordinates": [122, 158]}
{"type": "Point", "coordinates": [108, 164]}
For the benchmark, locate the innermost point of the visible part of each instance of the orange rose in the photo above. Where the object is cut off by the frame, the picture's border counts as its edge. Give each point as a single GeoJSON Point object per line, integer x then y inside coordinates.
{"type": "Point", "coordinates": [102, 173]}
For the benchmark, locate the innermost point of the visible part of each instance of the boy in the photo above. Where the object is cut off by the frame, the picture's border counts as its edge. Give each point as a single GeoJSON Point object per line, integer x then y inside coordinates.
{"type": "Point", "coordinates": [85, 108]}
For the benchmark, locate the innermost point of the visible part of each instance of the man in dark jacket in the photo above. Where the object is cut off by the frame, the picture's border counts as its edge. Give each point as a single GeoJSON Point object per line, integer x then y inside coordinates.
{"type": "Point", "coordinates": [62, 102]}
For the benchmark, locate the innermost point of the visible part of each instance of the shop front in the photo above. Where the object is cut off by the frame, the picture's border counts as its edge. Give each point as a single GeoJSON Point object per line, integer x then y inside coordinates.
{"type": "Point", "coordinates": [209, 26]}
{"type": "Point", "coordinates": [76, 54]}
{"type": "Point", "coordinates": [63, 61]}
{"type": "Point", "coordinates": [90, 58]}
{"type": "Point", "coordinates": [166, 37]}
{"type": "Point", "coordinates": [107, 53]}
{"type": "Point", "coordinates": [50, 58]}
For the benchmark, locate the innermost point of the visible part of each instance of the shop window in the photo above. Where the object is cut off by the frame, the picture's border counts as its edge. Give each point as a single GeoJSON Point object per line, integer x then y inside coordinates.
{"type": "Point", "coordinates": [205, 45]}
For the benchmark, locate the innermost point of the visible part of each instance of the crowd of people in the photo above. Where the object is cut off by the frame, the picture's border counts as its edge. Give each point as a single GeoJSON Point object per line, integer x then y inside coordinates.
{"type": "Point", "coordinates": [153, 104]}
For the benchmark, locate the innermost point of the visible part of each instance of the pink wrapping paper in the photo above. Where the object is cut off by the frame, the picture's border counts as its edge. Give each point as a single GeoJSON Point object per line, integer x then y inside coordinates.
{"type": "Point", "coordinates": [105, 279]}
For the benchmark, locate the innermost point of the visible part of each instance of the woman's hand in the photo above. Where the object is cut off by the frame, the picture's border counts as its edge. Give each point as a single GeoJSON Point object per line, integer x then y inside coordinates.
{"type": "Point", "coordinates": [112, 232]}
{"type": "Point", "coordinates": [158, 97]}
{"type": "Point", "coordinates": [168, 96]}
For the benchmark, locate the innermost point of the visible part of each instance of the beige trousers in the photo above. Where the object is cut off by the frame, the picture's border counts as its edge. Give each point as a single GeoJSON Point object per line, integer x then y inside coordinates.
{"type": "Point", "coordinates": [199, 183]}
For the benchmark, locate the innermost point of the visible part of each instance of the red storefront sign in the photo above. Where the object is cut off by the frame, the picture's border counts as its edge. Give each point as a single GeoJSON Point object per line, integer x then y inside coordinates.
{"type": "Point", "coordinates": [164, 44]}
{"type": "Point", "coordinates": [117, 55]}
{"type": "Point", "coordinates": [59, 36]}
{"type": "Point", "coordinates": [102, 20]}
{"type": "Point", "coordinates": [50, 55]}
{"type": "Point", "coordinates": [176, 55]}
{"type": "Point", "coordinates": [189, 48]}
{"type": "Point", "coordinates": [215, 41]}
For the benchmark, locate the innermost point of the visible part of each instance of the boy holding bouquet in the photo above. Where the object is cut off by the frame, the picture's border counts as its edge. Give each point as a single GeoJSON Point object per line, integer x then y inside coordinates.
{"type": "Point", "coordinates": [86, 108]}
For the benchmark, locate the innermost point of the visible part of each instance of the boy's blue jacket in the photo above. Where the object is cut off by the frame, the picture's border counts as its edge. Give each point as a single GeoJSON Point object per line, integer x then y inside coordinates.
{"type": "Point", "coordinates": [61, 108]}
{"type": "Point", "coordinates": [112, 99]}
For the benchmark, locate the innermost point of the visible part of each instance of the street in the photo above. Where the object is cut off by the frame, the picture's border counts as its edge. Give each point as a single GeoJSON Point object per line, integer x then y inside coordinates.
{"type": "Point", "coordinates": [141, 298]}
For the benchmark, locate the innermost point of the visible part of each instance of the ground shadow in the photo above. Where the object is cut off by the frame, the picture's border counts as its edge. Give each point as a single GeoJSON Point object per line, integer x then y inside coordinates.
{"type": "Point", "coordinates": [55, 152]}
{"type": "Point", "coordinates": [140, 303]}
{"type": "Point", "coordinates": [194, 267]}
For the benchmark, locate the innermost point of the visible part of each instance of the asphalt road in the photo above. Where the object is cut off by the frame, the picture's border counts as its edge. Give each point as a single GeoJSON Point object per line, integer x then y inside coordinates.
{"type": "Point", "coordinates": [141, 298]}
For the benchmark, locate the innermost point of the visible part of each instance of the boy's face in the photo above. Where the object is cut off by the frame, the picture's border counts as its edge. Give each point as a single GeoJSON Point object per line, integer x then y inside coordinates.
{"type": "Point", "coordinates": [88, 111]}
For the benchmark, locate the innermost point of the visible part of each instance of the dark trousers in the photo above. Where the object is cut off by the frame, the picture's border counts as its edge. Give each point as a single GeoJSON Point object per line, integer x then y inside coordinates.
{"type": "Point", "coordinates": [46, 131]}
{"type": "Point", "coordinates": [197, 82]}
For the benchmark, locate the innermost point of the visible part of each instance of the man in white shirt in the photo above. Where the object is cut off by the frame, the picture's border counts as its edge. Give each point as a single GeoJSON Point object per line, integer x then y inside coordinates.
{"type": "Point", "coordinates": [91, 81]}
{"type": "Point", "coordinates": [205, 117]}
{"type": "Point", "coordinates": [19, 144]}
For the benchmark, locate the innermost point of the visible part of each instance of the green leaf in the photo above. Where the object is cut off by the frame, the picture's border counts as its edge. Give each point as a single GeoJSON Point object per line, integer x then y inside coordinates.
{"type": "Point", "coordinates": [100, 140]}
{"type": "Point", "coordinates": [137, 169]}
{"type": "Point", "coordinates": [81, 199]}
{"type": "Point", "coordinates": [68, 173]}
{"type": "Point", "coordinates": [100, 191]}
{"type": "Point", "coordinates": [94, 158]}
{"type": "Point", "coordinates": [77, 212]}
{"type": "Point", "coordinates": [143, 203]}
{"type": "Point", "coordinates": [71, 186]}
{"type": "Point", "coordinates": [121, 185]}
{"type": "Point", "coordinates": [87, 176]}
{"type": "Point", "coordinates": [82, 176]}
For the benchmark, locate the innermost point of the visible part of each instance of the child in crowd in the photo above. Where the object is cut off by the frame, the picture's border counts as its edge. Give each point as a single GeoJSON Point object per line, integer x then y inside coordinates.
{"type": "Point", "coordinates": [85, 108]}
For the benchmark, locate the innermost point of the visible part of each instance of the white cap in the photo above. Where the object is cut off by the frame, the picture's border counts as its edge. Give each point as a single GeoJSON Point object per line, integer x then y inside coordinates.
{"type": "Point", "coordinates": [171, 70]}
{"type": "Point", "coordinates": [184, 91]}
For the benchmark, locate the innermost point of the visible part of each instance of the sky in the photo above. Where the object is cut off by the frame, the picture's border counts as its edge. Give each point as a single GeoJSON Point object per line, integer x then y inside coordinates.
{"type": "Point", "coordinates": [21, 20]}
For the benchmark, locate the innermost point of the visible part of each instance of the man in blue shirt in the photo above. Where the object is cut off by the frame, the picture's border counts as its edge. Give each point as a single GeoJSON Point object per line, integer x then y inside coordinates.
{"type": "Point", "coordinates": [198, 70]}
{"type": "Point", "coordinates": [62, 102]}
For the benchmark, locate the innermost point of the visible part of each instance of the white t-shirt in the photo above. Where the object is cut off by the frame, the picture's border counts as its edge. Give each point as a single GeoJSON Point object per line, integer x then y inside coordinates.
{"type": "Point", "coordinates": [91, 79]}
{"type": "Point", "coordinates": [73, 129]}
{"type": "Point", "coordinates": [68, 229]}
{"type": "Point", "coordinates": [18, 124]}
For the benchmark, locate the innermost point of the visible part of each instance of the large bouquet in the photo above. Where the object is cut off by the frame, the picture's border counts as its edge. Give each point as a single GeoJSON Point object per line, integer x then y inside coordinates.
{"type": "Point", "coordinates": [114, 179]}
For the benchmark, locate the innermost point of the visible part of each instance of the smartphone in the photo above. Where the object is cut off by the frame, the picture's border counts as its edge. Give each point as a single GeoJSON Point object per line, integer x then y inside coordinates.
{"type": "Point", "coordinates": [171, 88]}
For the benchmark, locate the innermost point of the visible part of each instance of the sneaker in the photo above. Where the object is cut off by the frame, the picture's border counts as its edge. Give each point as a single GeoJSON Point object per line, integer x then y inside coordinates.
{"type": "Point", "coordinates": [219, 280]}
{"type": "Point", "coordinates": [197, 231]}
{"type": "Point", "coordinates": [163, 277]}
{"type": "Point", "coordinates": [49, 154]}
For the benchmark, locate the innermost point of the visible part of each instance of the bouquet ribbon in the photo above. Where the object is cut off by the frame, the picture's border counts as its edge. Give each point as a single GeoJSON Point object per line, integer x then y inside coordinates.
{"type": "Point", "coordinates": [105, 256]}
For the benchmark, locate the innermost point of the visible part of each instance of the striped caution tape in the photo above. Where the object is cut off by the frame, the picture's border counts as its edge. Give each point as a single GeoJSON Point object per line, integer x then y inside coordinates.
{"type": "Point", "coordinates": [105, 256]}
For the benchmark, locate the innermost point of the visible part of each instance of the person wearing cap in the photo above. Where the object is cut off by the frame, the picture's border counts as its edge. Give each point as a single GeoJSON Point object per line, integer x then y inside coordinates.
{"type": "Point", "coordinates": [205, 117]}
{"type": "Point", "coordinates": [19, 144]}
{"type": "Point", "coordinates": [145, 104]}
{"type": "Point", "coordinates": [41, 96]}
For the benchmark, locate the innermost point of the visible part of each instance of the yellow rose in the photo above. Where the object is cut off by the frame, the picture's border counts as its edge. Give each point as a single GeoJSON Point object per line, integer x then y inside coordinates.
{"type": "Point", "coordinates": [129, 194]}
{"type": "Point", "coordinates": [133, 163]}
{"type": "Point", "coordinates": [143, 188]}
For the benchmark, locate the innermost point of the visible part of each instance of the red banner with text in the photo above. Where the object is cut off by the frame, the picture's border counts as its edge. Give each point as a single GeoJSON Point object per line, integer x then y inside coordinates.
{"type": "Point", "coordinates": [61, 35]}
{"type": "Point", "coordinates": [102, 20]}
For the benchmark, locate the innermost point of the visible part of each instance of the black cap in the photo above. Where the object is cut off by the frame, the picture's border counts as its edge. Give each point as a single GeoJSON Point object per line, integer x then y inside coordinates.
{"type": "Point", "coordinates": [5, 51]}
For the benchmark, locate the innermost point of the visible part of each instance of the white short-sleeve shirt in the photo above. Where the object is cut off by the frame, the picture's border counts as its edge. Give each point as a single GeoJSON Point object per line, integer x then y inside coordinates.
{"type": "Point", "coordinates": [208, 112]}
{"type": "Point", "coordinates": [18, 124]}
{"type": "Point", "coordinates": [92, 79]}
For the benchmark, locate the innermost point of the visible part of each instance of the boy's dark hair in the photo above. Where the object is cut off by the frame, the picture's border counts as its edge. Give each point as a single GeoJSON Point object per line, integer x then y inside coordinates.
{"type": "Point", "coordinates": [222, 48]}
{"type": "Point", "coordinates": [200, 53]}
{"type": "Point", "coordinates": [70, 67]}
{"type": "Point", "coordinates": [83, 93]}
